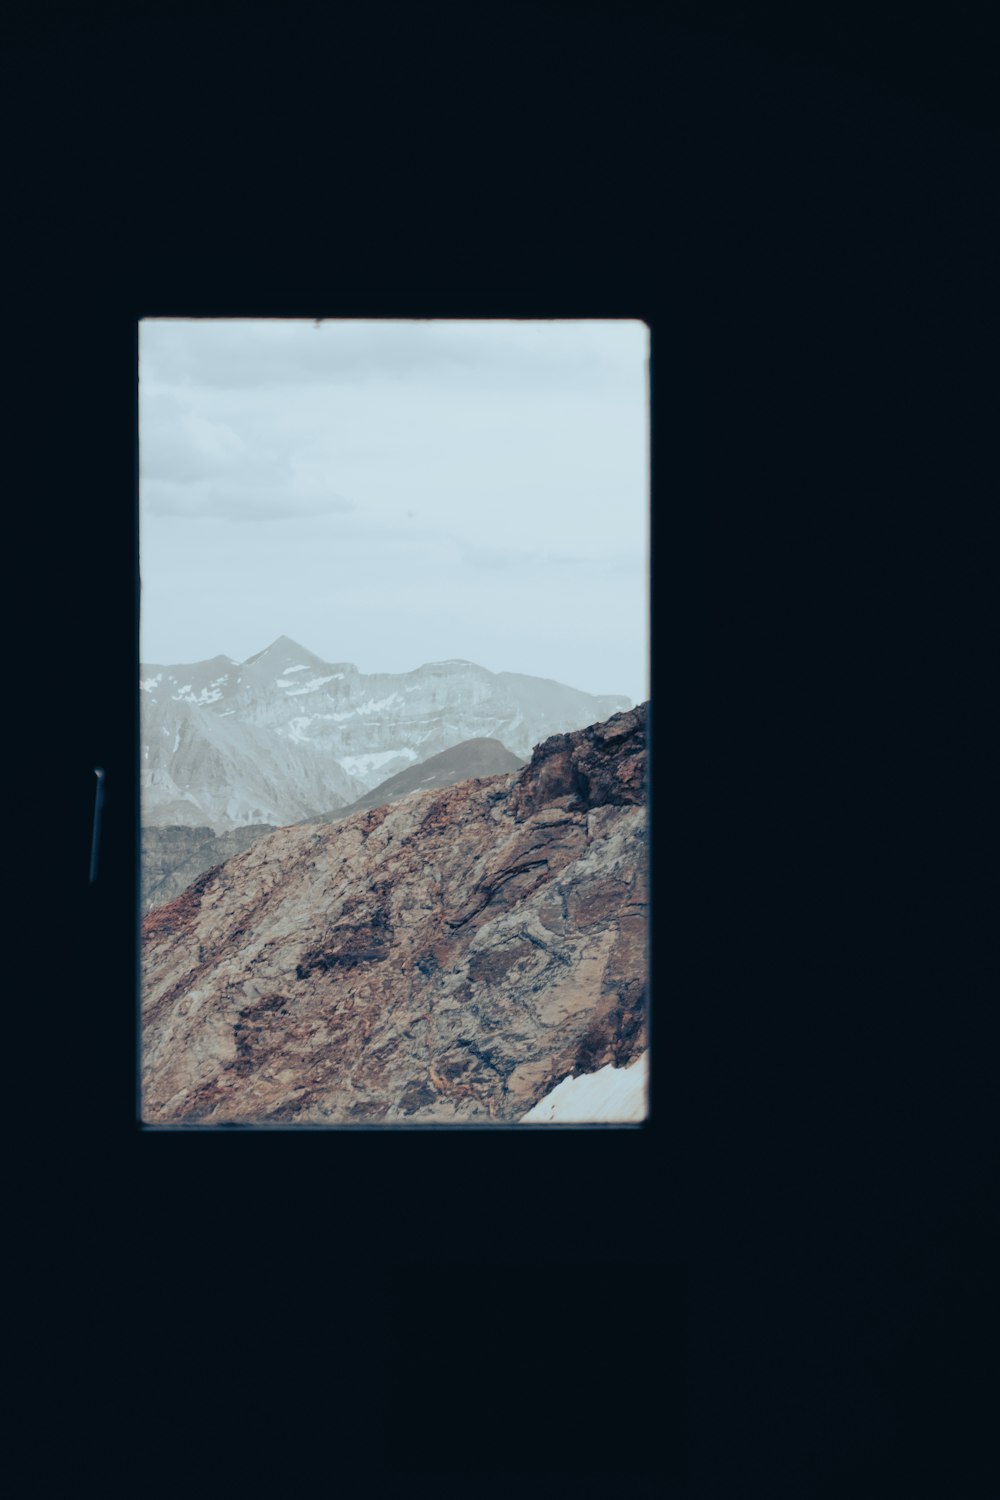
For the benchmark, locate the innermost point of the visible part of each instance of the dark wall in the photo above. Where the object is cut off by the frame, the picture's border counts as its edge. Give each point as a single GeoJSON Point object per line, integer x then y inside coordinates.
{"type": "Point", "coordinates": [806, 223]}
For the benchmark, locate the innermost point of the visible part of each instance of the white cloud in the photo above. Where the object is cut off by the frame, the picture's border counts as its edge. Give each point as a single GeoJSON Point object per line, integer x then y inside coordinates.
{"type": "Point", "coordinates": [429, 491]}
{"type": "Point", "coordinates": [237, 500]}
{"type": "Point", "coordinates": [238, 354]}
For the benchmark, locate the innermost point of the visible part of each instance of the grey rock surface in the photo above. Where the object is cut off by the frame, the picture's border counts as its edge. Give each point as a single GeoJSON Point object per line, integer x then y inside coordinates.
{"type": "Point", "coordinates": [175, 856]}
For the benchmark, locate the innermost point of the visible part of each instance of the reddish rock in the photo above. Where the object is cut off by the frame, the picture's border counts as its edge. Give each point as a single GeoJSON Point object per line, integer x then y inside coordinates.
{"type": "Point", "coordinates": [450, 958]}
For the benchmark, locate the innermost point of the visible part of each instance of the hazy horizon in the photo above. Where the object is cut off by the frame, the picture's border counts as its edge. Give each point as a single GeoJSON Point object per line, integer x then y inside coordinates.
{"type": "Point", "coordinates": [150, 661]}
{"type": "Point", "coordinates": [397, 493]}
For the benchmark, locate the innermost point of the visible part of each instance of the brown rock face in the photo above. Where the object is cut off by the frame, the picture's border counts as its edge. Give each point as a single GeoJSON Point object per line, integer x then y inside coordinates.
{"type": "Point", "coordinates": [601, 766]}
{"type": "Point", "coordinates": [449, 958]}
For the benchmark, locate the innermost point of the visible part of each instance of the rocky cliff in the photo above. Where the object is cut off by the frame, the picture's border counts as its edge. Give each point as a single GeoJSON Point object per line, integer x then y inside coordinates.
{"type": "Point", "coordinates": [452, 957]}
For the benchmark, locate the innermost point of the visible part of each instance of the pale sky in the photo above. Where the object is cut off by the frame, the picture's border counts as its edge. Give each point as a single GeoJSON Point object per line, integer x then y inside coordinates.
{"type": "Point", "coordinates": [392, 493]}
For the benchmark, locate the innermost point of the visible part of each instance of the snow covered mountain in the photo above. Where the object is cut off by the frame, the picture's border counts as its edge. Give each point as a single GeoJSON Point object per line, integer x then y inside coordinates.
{"type": "Point", "coordinates": [284, 736]}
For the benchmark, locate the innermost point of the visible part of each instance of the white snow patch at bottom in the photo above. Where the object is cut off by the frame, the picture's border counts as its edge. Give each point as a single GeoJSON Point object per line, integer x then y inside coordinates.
{"type": "Point", "coordinates": [609, 1095]}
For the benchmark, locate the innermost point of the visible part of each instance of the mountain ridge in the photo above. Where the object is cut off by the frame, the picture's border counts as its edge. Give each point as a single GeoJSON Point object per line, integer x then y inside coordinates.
{"type": "Point", "coordinates": [468, 759]}
{"type": "Point", "coordinates": [286, 736]}
{"type": "Point", "coordinates": [175, 855]}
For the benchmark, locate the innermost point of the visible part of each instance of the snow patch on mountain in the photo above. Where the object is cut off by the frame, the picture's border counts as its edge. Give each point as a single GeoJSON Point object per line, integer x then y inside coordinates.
{"type": "Point", "coordinates": [296, 689]}
{"type": "Point", "coordinates": [362, 766]}
{"type": "Point", "coordinates": [376, 705]}
{"type": "Point", "coordinates": [296, 728]}
{"type": "Point", "coordinates": [207, 695]}
{"type": "Point", "coordinates": [610, 1096]}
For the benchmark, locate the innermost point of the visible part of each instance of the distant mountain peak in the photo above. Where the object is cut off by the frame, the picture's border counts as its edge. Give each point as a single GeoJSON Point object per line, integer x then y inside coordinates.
{"type": "Point", "coordinates": [287, 735]}
{"type": "Point", "coordinates": [220, 659]}
{"type": "Point", "coordinates": [282, 647]}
